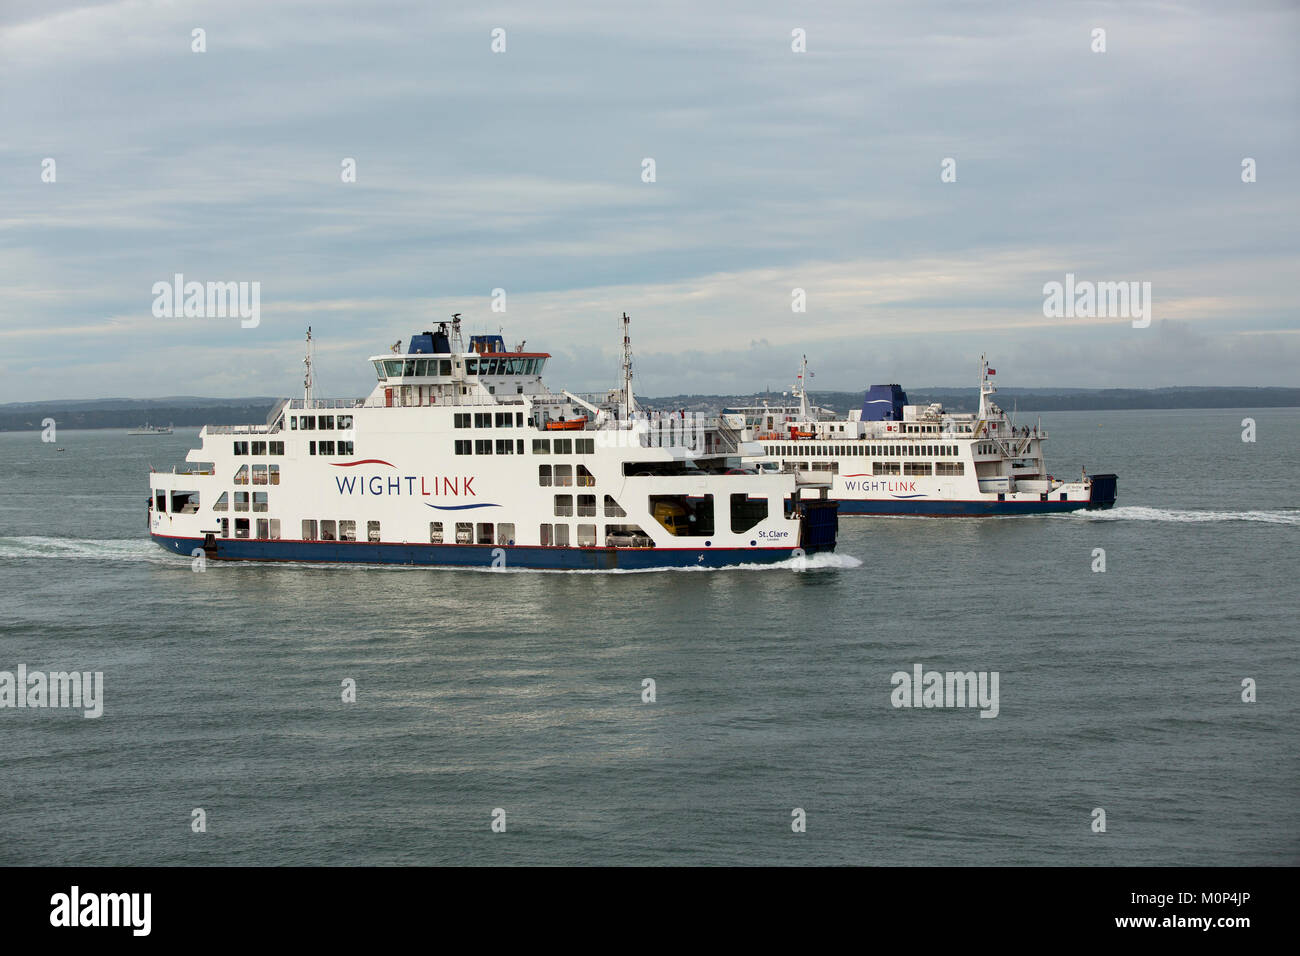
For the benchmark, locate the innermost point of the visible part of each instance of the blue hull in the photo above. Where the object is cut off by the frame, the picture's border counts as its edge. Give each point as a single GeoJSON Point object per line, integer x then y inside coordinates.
{"type": "Point", "coordinates": [963, 509]}
{"type": "Point", "coordinates": [479, 556]}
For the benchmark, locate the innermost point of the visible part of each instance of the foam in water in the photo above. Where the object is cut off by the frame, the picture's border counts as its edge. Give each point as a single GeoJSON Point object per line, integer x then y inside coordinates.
{"type": "Point", "coordinates": [1140, 513]}
{"type": "Point", "coordinates": [37, 546]}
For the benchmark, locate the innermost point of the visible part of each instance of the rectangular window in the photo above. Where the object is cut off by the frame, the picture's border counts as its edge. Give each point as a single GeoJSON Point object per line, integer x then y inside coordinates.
{"type": "Point", "coordinates": [586, 506]}
{"type": "Point", "coordinates": [484, 533]}
{"type": "Point", "coordinates": [505, 446]}
{"type": "Point", "coordinates": [345, 422]}
{"type": "Point", "coordinates": [585, 446]}
{"type": "Point", "coordinates": [308, 422]}
{"type": "Point", "coordinates": [544, 475]}
{"type": "Point", "coordinates": [277, 448]}
{"type": "Point", "coordinates": [463, 447]}
{"type": "Point", "coordinates": [504, 419]}
{"type": "Point", "coordinates": [483, 446]}
{"type": "Point", "coordinates": [505, 533]}
{"type": "Point", "coordinates": [541, 446]}
{"type": "Point", "coordinates": [747, 512]}
{"type": "Point", "coordinates": [464, 532]}
{"type": "Point", "coordinates": [275, 529]}
{"type": "Point", "coordinates": [263, 528]}
{"type": "Point", "coordinates": [345, 448]}
{"type": "Point", "coordinates": [586, 535]}
{"type": "Point", "coordinates": [561, 536]}
{"type": "Point", "coordinates": [884, 468]}
{"type": "Point", "coordinates": [327, 422]}
{"type": "Point", "coordinates": [241, 527]}
{"type": "Point", "coordinates": [311, 448]}
{"type": "Point", "coordinates": [482, 419]}
{"type": "Point", "coordinates": [259, 474]}
{"type": "Point", "coordinates": [308, 529]}
{"type": "Point", "coordinates": [259, 448]}
{"type": "Point", "coordinates": [462, 420]}
{"type": "Point", "coordinates": [259, 501]}
{"type": "Point", "coordinates": [519, 419]}
{"type": "Point", "coordinates": [949, 468]}
{"type": "Point", "coordinates": [563, 476]}
{"type": "Point", "coordinates": [327, 448]}
{"type": "Point", "coordinates": [435, 532]}
{"type": "Point", "coordinates": [328, 530]}
{"type": "Point", "coordinates": [519, 446]}
{"type": "Point", "coordinates": [347, 530]}
{"type": "Point", "coordinates": [241, 500]}
{"type": "Point", "coordinates": [544, 535]}
{"type": "Point", "coordinates": [241, 448]}
{"type": "Point", "coordinates": [372, 531]}
{"type": "Point", "coordinates": [564, 506]}
{"type": "Point", "coordinates": [916, 468]}
{"type": "Point", "coordinates": [564, 446]}
{"type": "Point", "coordinates": [293, 423]}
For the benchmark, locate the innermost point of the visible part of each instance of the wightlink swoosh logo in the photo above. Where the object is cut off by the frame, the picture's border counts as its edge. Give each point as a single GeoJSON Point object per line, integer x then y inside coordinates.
{"type": "Point", "coordinates": [363, 461]}
{"type": "Point", "coordinates": [459, 507]}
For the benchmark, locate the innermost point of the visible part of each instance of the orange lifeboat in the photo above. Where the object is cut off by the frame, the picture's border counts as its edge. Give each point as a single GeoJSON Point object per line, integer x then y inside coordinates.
{"type": "Point", "coordinates": [572, 425]}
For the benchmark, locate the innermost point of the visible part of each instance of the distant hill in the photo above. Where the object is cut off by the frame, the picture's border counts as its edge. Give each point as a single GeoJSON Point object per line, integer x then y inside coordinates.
{"type": "Point", "coordinates": [183, 411]}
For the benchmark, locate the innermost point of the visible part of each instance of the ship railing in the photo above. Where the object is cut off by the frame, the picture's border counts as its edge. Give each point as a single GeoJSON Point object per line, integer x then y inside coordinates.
{"type": "Point", "coordinates": [240, 429]}
{"type": "Point", "coordinates": [297, 403]}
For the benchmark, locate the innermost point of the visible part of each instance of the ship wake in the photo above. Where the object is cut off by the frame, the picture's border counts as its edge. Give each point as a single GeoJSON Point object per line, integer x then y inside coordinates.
{"type": "Point", "coordinates": [1141, 513]}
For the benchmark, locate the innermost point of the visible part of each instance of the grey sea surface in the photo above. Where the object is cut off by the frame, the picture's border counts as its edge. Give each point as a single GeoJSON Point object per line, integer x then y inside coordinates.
{"type": "Point", "coordinates": [522, 691]}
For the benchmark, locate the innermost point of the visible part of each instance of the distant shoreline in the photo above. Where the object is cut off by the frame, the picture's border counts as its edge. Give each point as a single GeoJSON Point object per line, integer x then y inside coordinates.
{"type": "Point", "coordinates": [187, 412]}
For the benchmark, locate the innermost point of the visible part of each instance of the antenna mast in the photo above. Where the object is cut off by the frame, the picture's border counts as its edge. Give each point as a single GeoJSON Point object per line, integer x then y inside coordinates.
{"type": "Point", "coordinates": [627, 365]}
{"type": "Point", "coordinates": [456, 340]}
{"type": "Point", "coordinates": [307, 378]}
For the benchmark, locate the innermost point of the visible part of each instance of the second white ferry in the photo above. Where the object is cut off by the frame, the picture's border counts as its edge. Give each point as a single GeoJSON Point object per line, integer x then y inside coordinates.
{"type": "Point", "coordinates": [894, 458]}
{"type": "Point", "coordinates": [461, 456]}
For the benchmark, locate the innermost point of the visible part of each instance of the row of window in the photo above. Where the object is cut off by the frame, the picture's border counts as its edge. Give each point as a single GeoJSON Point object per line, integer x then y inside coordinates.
{"type": "Point", "coordinates": [242, 499]}
{"type": "Point", "coordinates": [918, 468]}
{"type": "Point", "coordinates": [259, 448]}
{"type": "Point", "coordinates": [484, 446]}
{"type": "Point", "coordinates": [397, 368]}
{"type": "Point", "coordinates": [587, 507]}
{"type": "Point", "coordinates": [268, 529]}
{"type": "Point", "coordinates": [309, 423]}
{"type": "Point", "coordinates": [329, 447]}
{"type": "Point", "coordinates": [564, 446]}
{"type": "Point", "coordinates": [488, 420]}
{"type": "Point", "coordinates": [327, 529]}
{"type": "Point", "coordinates": [562, 476]}
{"type": "Point", "coordinates": [467, 532]}
{"type": "Point", "coordinates": [863, 451]}
{"type": "Point", "coordinates": [261, 474]}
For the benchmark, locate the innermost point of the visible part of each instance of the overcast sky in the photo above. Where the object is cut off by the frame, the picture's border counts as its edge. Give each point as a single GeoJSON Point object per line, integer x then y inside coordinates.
{"type": "Point", "coordinates": [522, 170]}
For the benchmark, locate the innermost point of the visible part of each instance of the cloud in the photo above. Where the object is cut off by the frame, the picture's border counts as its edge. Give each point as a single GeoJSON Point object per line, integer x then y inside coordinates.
{"type": "Point", "coordinates": [522, 171]}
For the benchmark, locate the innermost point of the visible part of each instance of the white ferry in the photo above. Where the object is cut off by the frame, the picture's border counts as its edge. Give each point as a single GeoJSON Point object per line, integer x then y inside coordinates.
{"type": "Point", "coordinates": [462, 457]}
{"type": "Point", "coordinates": [893, 458]}
{"type": "Point", "coordinates": [147, 429]}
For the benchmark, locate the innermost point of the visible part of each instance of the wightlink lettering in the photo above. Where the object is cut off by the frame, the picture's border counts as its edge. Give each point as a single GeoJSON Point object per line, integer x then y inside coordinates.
{"type": "Point", "coordinates": [894, 487]}
{"type": "Point", "coordinates": [427, 486]}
